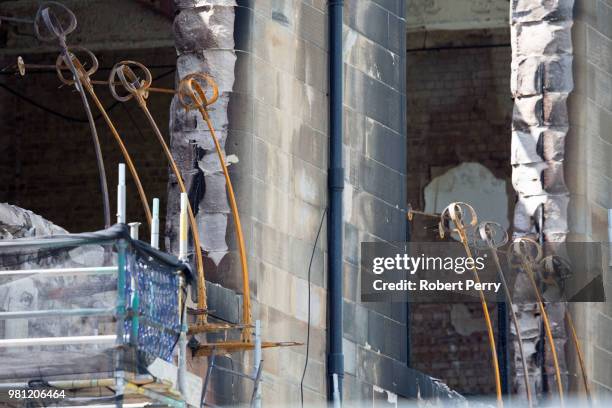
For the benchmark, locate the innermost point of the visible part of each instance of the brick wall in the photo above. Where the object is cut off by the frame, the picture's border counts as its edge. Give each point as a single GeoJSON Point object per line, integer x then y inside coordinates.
{"type": "Point", "coordinates": [459, 110]}
{"type": "Point", "coordinates": [47, 163]}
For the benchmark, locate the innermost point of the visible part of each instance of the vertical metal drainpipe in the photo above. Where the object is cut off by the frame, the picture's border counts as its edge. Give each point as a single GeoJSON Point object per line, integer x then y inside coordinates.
{"type": "Point", "coordinates": [335, 357]}
{"type": "Point", "coordinates": [503, 354]}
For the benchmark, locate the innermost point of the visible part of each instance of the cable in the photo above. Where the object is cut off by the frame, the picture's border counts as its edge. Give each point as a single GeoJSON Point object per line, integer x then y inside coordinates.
{"type": "Point", "coordinates": [6, 71]}
{"type": "Point", "coordinates": [129, 114]}
{"type": "Point", "coordinates": [63, 115]}
{"type": "Point", "coordinates": [42, 107]}
{"type": "Point", "coordinates": [314, 247]}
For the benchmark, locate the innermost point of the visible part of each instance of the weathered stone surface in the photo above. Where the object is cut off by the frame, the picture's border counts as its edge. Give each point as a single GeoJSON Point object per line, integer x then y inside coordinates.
{"type": "Point", "coordinates": [204, 37]}
{"type": "Point", "coordinates": [189, 33]}
{"type": "Point", "coordinates": [186, 4]}
{"type": "Point", "coordinates": [555, 215]}
{"type": "Point", "coordinates": [524, 214]}
{"type": "Point", "coordinates": [369, 19]}
{"type": "Point", "coordinates": [308, 63]}
{"type": "Point", "coordinates": [554, 109]}
{"type": "Point", "coordinates": [553, 181]}
{"type": "Point", "coordinates": [535, 11]}
{"type": "Point", "coordinates": [599, 49]}
{"type": "Point", "coordinates": [456, 14]}
{"type": "Point", "coordinates": [541, 82]}
{"type": "Point", "coordinates": [383, 103]}
{"type": "Point", "coordinates": [372, 59]}
{"type": "Point", "coordinates": [527, 112]}
{"type": "Point", "coordinates": [370, 175]}
{"type": "Point", "coordinates": [384, 145]}
{"type": "Point", "coordinates": [536, 75]}
{"type": "Point", "coordinates": [210, 62]}
{"type": "Point", "coordinates": [547, 109]}
{"type": "Point", "coordinates": [545, 38]}
{"type": "Point", "coordinates": [599, 87]}
{"type": "Point", "coordinates": [527, 179]}
{"type": "Point", "coordinates": [551, 144]}
{"type": "Point", "coordinates": [311, 24]}
{"type": "Point", "coordinates": [599, 152]}
{"type": "Point", "coordinates": [537, 145]}
{"type": "Point", "coordinates": [17, 222]}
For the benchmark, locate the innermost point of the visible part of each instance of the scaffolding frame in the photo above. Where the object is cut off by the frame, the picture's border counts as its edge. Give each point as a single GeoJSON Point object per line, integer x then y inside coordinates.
{"type": "Point", "coordinates": [124, 383]}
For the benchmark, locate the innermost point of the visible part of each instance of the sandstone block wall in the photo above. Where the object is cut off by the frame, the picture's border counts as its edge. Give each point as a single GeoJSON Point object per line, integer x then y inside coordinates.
{"type": "Point", "coordinates": [588, 148]}
{"type": "Point", "coordinates": [278, 128]}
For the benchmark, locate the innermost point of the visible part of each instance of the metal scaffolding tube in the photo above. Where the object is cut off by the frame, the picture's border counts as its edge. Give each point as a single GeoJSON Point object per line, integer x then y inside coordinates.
{"type": "Point", "coordinates": [28, 314]}
{"type": "Point", "coordinates": [67, 384]}
{"type": "Point", "coordinates": [103, 270]}
{"type": "Point", "coordinates": [58, 341]}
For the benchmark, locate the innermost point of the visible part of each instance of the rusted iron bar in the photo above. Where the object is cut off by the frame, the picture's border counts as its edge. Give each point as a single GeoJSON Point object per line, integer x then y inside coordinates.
{"type": "Point", "coordinates": [454, 219]}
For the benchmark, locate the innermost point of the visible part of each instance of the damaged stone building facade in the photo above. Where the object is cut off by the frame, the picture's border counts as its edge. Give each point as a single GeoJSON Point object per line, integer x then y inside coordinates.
{"type": "Point", "coordinates": [441, 98]}
{"type": "Point", "coordinates": [270, 61]}
{"type": "Point", "coordinates": [516, 88]}
{"type": "Point", "coordinates": [459, 115]}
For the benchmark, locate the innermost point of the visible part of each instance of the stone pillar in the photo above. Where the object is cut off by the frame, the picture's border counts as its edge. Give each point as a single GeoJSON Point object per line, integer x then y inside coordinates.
{"type": "Point", "coordinates": [541, 82]}
{"type": "Point", "coordinates": [204, 39]}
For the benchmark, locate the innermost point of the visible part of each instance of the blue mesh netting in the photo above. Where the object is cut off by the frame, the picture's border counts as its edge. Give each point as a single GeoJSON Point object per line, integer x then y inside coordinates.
{"type": "Point", "coordinates": [157, 287]}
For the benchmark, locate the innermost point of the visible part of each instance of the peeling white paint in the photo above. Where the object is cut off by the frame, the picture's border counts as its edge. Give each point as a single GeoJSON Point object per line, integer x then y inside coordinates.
{"type": "Point", "coordinates": [474, 184]}
{"type": "Point", "coordinates": [463, 321]}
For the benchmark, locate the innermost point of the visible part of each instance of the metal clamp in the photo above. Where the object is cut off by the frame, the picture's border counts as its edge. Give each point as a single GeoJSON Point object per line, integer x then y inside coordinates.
{"type": "Point", "coordinates": [528, 250]}
{"type": "Point", "coordinates": [61, 66]}
{"type": "Point", "coordinates": [453, 219]}
{"type": "Point", "coordinates": [492, 234]}
{"type": "Point", "coordinates": [131, 82]}
{"type": "Point", "coordinates": [192, 94]}
{"type": "Point", "coordinates": [554, 270]}
{"type": "Point", "coordinates": [47, 15]}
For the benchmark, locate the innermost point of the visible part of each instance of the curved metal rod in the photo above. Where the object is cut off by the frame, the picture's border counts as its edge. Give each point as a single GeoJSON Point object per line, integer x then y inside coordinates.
{"type": "Point", "coordinates": [57, 32]}
{"type": "Point", "coordinates": [575, 340]}
{"type": "Point", "coordinates": [85, 77]}
{"type": "Point", "coordinates": [488, 231]}
{"type": "Point", "coordinates": [137, 89]}
{"type": "Point", "coordinates": [190, 88]}
{"type": "Point", "coordinates": [453, 219]}
{"type": "Point", "coordinates": [520, 247]}
{"type": "Point", "coordinates": [15, 20]}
